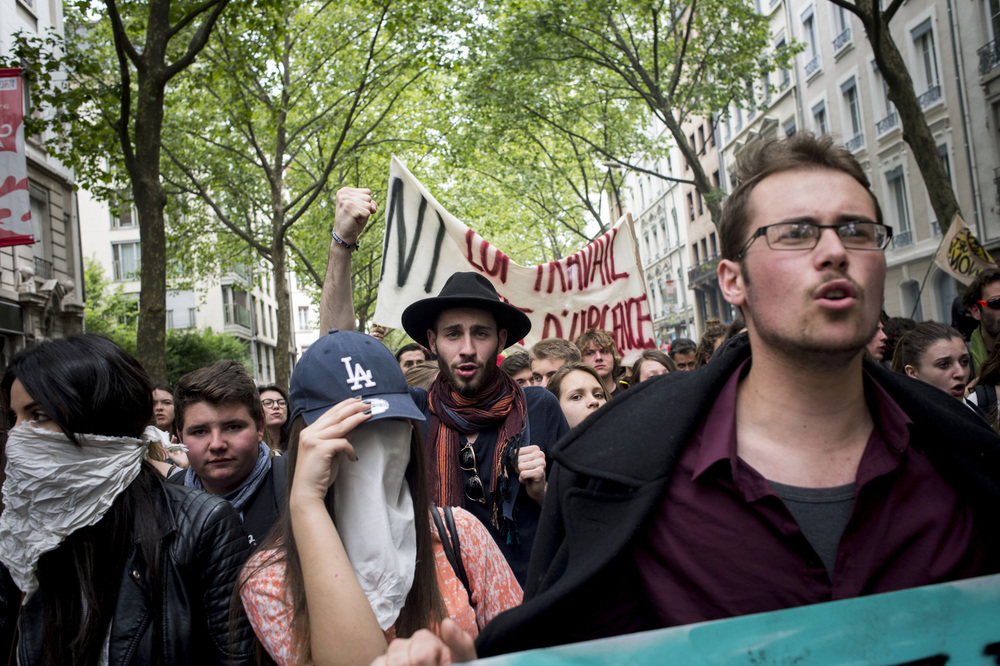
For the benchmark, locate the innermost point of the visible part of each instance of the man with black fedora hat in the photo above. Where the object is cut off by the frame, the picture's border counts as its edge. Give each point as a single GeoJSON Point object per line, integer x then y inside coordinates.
{"type": "Point", "coordinates": [486, 437]}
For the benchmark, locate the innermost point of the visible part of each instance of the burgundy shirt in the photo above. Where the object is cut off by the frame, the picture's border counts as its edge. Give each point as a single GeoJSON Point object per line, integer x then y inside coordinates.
{"type": "Point", "coordinates": [722, 543]}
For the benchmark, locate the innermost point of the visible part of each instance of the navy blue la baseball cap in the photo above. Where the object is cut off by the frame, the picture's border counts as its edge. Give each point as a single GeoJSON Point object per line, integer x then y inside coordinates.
{"type": "Point", "coordinates": [348, 364]}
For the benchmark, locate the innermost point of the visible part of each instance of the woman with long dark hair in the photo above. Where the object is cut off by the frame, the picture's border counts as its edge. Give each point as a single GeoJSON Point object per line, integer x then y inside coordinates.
{"type": "Point", "coordinates": [114, 565]}
{"type": "Point", "coordinates": [651, 362]}
{"type": "Point", "coordinates": [935, 354]}
{"type": "Point", "coordinates": [354, 561]}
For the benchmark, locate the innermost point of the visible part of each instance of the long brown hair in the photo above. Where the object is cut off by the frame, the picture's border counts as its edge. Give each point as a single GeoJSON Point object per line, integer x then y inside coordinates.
{"type": "Point", "coordinates": [914, 344]}
{"type": "Point", "coordinates": [424, 607]}
{"type": "Point", "coordinates": [650, 355]}
{"type": "Point", "coordinates": [555, 381]}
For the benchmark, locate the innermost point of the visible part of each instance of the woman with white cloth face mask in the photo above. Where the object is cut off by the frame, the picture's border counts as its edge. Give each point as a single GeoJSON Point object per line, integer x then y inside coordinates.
{"type": "Point", "coordinates": [84, 512]}
{"type": "Point", "coordinates": [353, 562]}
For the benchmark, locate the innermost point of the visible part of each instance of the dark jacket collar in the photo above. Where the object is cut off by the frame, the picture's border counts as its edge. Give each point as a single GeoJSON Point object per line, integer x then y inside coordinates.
{"type": "Point", "coordinates": [168, 523]}
{"type": "Point", "coordinates": [667, 409]}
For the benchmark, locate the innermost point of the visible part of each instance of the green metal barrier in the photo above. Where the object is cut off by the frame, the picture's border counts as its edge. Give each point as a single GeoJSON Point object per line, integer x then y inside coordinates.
{"type": "Point", "coordinates": [952, 623]}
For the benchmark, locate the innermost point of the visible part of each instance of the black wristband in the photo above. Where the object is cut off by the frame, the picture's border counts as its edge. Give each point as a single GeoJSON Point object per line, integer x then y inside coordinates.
{"type": "Point", "coordinates": [341, 241]}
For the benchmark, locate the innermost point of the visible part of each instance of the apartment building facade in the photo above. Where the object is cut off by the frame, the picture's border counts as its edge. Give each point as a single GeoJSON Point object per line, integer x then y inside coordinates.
{"type": "Point", "coordinates": [661, 232]}
{"type": "Point", "coordinates": [41, 293]}
{"type": "Point", "coordinates": [835, 87]}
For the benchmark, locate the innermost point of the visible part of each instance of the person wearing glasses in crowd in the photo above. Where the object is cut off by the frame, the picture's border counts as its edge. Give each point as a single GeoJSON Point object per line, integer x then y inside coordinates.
{"type": "Point", "coordinates": [982, 299]}
{"type": "Point", "coordinates": [789, 470]}
{"type": "Point", "coordinates": [486, 437]}
{"type": "Point", "coordinates": [274, 399]}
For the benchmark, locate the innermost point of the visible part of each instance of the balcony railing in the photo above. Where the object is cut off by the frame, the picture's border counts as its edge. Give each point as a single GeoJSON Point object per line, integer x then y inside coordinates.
{"type": "Point", "coordinates": [43, 269]}
{"type": "Point", "coordinates": [236, 315]}
{"type": "Point", "coordinates": [989, 57]}
{"type": "Point", "coordinates": [902, 239]}
{"type": "Point", "coordinates": [842, 39]}
{"type": "Point", "coordinates": [887, 123]}
{"type": "Point", "coordinates": [932, 95]}
{"type": "Point", "coordinates": [812, 65]}
{"type": "Point", "coordinates": [703, 270]}
{"type": "Point", "coordinates": [855, 142]}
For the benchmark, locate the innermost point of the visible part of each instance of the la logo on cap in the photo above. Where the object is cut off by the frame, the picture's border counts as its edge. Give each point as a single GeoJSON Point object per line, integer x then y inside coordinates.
{"type": "Point", "coordinates": [358, 375]}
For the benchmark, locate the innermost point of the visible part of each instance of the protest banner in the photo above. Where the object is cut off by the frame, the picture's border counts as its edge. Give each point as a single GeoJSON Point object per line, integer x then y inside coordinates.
{"type": "Point", "coordinates": [15, 200]}
{"type": "Point", "coordinates": [960, 254]}
{"type": "Point", "coordinates": [950, 623]}
{"type": "Point", "coordinates": [600, 286]}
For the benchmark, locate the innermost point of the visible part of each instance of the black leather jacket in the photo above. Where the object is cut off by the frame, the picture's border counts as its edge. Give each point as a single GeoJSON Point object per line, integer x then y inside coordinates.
{"type": "Point", "coordinates": [202, 549]}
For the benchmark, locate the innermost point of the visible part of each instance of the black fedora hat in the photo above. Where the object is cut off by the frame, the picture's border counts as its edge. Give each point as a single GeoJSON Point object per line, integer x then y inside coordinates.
{"type": "Point", "coordinates": [465, 290]}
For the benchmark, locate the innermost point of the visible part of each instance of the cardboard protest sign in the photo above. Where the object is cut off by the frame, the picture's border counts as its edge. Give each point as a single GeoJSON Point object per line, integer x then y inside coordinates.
{"type": "Point", "coordinates": [15, 200]}
{"type": "Point", "coordinates": [960, 254]}
{"type": "Point", "coordinates": [600, 286]}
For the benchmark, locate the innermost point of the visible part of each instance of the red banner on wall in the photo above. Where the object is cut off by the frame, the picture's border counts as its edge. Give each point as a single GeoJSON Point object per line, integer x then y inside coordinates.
{"type": "Point", "coordinates": [15, 200]}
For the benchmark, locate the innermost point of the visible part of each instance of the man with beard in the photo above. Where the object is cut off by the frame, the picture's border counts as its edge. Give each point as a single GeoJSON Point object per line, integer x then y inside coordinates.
{"type": "Point", "coordinates": [982, 300]}
{"type": "Point", "coordinates": [797, 474]}
{"type": "Point", "coordinates": [794, 475]}
{"type": "Point", "coordinates": [684, 353]}
{"type": "Point", "coordinates": [486, 438]}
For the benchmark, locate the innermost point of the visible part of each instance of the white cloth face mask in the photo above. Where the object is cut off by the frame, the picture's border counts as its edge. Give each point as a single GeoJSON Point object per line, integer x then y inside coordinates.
{"type": "Point", "coordinates": [373, 512]}
{"type": "Point", "coordinates": [54, 487]}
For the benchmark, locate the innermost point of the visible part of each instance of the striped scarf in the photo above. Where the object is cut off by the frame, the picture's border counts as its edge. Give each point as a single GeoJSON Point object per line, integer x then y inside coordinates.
{"type": "Point", "coordinates": [500, 404]}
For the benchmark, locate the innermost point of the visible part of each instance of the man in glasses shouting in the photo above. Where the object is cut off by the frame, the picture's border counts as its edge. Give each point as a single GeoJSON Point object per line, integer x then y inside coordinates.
{"type": "Point", "coordinates": [786, 472]}
{"type": "Point", "coordinates": [486, 438]}
{"type": "Point", "coordinates": [982, 299]}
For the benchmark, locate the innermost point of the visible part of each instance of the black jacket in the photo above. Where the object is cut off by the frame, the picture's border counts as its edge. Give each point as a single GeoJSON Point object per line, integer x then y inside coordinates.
{"type": "Point", "coordinates": [202, 550]}
{"type": "Point", "coordinates": [609, 474]}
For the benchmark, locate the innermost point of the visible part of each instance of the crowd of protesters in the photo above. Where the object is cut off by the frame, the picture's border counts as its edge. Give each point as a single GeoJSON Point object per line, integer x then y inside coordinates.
{"type": "Point", "coordinates": [461, 496]}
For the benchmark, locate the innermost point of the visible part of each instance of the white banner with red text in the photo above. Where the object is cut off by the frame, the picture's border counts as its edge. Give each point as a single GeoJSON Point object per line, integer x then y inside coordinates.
{"type": "Point", "coordinates": [600, 286]}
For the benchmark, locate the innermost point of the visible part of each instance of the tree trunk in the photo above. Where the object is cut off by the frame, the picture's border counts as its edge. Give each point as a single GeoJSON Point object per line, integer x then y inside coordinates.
{"type": "Point", "coordinates": [701, 181]}
{"type": "Point", "coordinates": [282, 364]}
{"type": "Point", "coordinates": [141, 149]}
{"type": "Point", "coordinates": [150, 200]}
{"type": "Point", "coordinates": [916, 132]}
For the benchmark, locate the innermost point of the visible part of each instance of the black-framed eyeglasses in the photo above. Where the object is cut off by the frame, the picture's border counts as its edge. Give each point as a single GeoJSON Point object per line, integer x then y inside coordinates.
{"type": "Point", "coordinates": [992, 304]}
{"type": "Point", "coordinates": [474, 489]}
{"type": "Point", "coordinates": [855, 235]}
{"type": "Point", "coordinates": [269, 403]}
